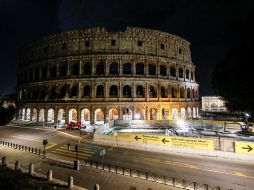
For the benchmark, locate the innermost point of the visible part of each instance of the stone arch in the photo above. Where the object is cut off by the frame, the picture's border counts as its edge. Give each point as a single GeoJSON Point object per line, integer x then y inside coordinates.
{"type": "Point", "coordinates": [126, 68]}
{"type": "Point", "coordinates": [100, 68]}
{"type": "Point", "coordinates": [172, 71]}
{"type": "Point", "coordinates": [127, 91]}
{"type": "Point", "coordinates": [98, 116]}
{"type": "Point", "coordinates": [86, 91]}
{"type": "Point", "coordinates": [163, 70]}
{"type": "Point", "coordinates": [113, 114]}
{"type": "Point", "coordinates": [174, 113]}
{"type": "Point", "coordinates": [180, 74]}
{"type": "Point", "coordinates": [127, 114]}
{"type": "Point", "coordinates": [23, 114]}
{"type": "Point", "coordinates": [173, 92]}
{"type": "Point", "coordinates": [85, 116]}
{"type": "Point", "coordinates": [183, 114]}
{"type": "Point", "coordinates": [140, 91]}
{"type": "Point", "coordinates": [73, 115]}
{"type": "Point", "coordinates": [61, 116]}
{"type": "Point", "coordinates": [113, 91]}
{"type": "Point", "coordinates": [182, 92]}
{"type": "Point", "coordinates": [140, 69]}
{"type": "Point", "coordinates": [188, 93]}
{"type": "Point", "coordinates": [189, 113]}
{"type": "Point", "coordinates": [113, 68]}
{"type": "Point", "coordinates": [34, 115]}
{"type": "Point", "coordinates": [62, 92]}
{"type": "Point", "coordinates": [152, 69]}
{"type": "Point", "coordinates": [41, 115]}
{"type": "Point", "coordinates": [152, 92]}
{"type": "Point", "coordinates": [100, 91]}
{"type": "Point", "coordinates": [74, 91]}
{"type": "Point", "coordinates": [75, 69]}
{"type": "Point", "coordinates": [154, 114]}
{"type": "Point", "coordinates": [87, 68]}
{"type": "Point", "coordinates": [164, 113]}
{"type": "Point", "coordinates": [63, 69]}
{"type": "Point", "coordinates": [28, 114]}
{"type": "Point", "coordinates": [194, 112]}
{"type": "Point", "coordinates": [53, 71]}
{"type": "Point", "coordinates": [140, 114]}
{"type": "Point", "coordinates": [187, 74]}
{"type": "Point", "coordinates": [163, 92]}
{"type": "Point", "coordinates": [50, 116]}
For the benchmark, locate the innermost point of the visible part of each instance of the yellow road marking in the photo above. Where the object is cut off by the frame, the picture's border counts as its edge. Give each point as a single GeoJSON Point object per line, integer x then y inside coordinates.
{"type": "Point", "coordinates": [72, 156]}
{"type": "Point", "coordinates": [70, 152]}
{"type": "Point", "coordinates": [50, 146]}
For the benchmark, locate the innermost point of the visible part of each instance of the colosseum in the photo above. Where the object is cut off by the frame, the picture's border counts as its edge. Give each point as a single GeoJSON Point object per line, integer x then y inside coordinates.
{"type": "Point", "coordinates": [96, 76]}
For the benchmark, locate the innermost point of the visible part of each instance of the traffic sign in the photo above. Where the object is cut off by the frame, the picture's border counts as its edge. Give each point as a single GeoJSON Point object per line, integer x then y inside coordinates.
{"type": "Point", "coordinates": [244, 147]}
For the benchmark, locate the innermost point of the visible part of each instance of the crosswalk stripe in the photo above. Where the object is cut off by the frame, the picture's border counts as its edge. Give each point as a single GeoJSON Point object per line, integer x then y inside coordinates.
{"type": "Point", "coordinates": [72, 156]}
{"type": "Point", "coordinates": [71, 152]}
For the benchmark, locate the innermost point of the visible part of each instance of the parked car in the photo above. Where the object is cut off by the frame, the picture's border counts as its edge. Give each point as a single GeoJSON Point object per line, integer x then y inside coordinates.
{"type": "Point", "coordinates": [74, 125]}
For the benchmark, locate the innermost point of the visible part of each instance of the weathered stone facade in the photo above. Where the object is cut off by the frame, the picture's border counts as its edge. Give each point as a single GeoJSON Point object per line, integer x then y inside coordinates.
{"type": "Point", "coordinates": [95, 76]}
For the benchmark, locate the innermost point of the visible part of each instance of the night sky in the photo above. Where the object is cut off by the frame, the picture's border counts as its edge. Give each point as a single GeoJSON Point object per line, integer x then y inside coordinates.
{"type": "Point", "coordinates": [213, 27]}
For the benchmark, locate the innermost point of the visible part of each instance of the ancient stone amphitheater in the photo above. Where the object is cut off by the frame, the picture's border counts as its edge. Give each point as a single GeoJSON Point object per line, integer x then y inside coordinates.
{"type": "Point", "coordinates": [95, 76]}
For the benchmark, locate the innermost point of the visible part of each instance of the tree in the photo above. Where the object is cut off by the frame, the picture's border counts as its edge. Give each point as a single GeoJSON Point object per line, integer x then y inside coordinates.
{"type": "Point", "coordinates": [7, 108]}
{"type": "Point", "coordinates": [232, 79]}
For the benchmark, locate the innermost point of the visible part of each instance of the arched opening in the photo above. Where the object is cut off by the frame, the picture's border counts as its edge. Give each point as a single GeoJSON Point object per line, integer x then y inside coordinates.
{"type": "Point", "coordinates": [183, 114]}
{"type": "Point", "coordinates": [52, 93]}
{"type": "Point", "coordinates": [63, 70]}
{"type": "Point", "coordinates": [50, 117]}
{"type": "Point", "coordinates": [163, 92]}
{"type": "Point", "coordinates": [74, 91]}
{"type": "Point", "coordinates": [194, 112]}
{"type": "Point", "coordinates": [214, 105]}
{"type": "Point", "coordinates": [28, 114]}
{"type": "Point", "coordinates": [53, 71]}
{"type": "Point", "coordinates": [192, 76]}
{"type": "Point", "coordinates": [23, 114]}
{"type": "Point", "coordinates": [44, 72]}
{"type": "Point", "coordinates": [62, 92]}
{"type": "Point", "coordinates": [164, 113]}
{"type": "Point", "coordinates": [87, 69]}
{"type": "Point", "coordinates": [127, 114]}
{"type": "Point", "coordinates": [127, 91]}
{"type": "Point", "coordinates": [41, 115]}
{"type": "Point", "coordinates": [126, 68]}
{"type": "Point", "coordinates": [187, 74]}
{"type": "Point", "coordinates": [113, 68]}
{"type": "Point", "coordinates": [140, 68]}
{"type": "Point", "coordinates": [100, 91]}
{"type": "Point", "coordinates": [173, 92]}
{"type": "Point", "coordinates": [100, 68]}
{"type": "Point", "coordinates": [86, 92]}
{"type": "Point", "coordinates": [34, 115]}
{"type": "Point", "coordinates": [189, 112]}
{"type": "Point", "coordinates": [172, 71]}
{"type": "Point", "coordinates": [188, 93]}
{"type": "Point", "coordinates": [61, 116]}
{"type": "Point", "coordinates": [113, 91]}
{"type": "Point", "coordinates": [113, 114]}
{"type": "Point", "coordinates": [180, 73]}
{"type": "Point", "coordinates": [140, 91]}
{"type": "Point", "coordinates": [152, 92]}
{"type": "Point", "coordinates": [163, 70]}
{"type": "Point", "coordinates": [153, 114]}
{"type": "Point", "coordinates": [99, 116]}
{"type": "Point", "coordinates": [140, 114]}
{"type": "Point", "coordinates": [174, 114]}
{"type": "Point", "coordinates": [182, 92]}
{"type": "Point", "coordinates": [85, 116]}
{"type": "Point", "coordinates": [152, 69]}
{"type": "Point", "coordinates": [42, 93]}
{"type": "Point", "coordinates": [75, 69]}
{"type": "Point", "coordinates": [73, 115]}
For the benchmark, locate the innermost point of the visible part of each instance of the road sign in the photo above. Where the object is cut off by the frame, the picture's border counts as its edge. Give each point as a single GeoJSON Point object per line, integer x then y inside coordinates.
{"type": "Point", "coordinates": [45, 142]}
{"type": "Point", "coordinates": [244, 147]}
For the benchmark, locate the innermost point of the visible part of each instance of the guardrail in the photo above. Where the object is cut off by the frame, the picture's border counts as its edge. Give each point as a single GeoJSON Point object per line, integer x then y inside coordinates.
{"type": "Point", "coordinates": [170, 181]}
{"type": "Point", "coordinates": [21, 147]}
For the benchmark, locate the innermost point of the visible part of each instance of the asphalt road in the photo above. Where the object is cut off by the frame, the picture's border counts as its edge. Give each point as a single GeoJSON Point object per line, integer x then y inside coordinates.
{"type": "Point", "coordinates": [237, 175]}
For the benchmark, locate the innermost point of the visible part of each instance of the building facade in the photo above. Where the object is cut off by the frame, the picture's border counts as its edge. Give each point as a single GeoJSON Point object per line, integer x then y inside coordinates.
{"type": "Point", "coordinates": [94, 76]}
{"type": "Point", "coordinates": [213, 104]}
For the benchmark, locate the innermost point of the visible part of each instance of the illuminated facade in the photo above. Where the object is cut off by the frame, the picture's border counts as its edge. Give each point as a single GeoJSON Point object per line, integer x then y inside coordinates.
{"type": "Point", "coordinates": [213, 104]}
{"type": "Point", "coordinates": [94, 76]}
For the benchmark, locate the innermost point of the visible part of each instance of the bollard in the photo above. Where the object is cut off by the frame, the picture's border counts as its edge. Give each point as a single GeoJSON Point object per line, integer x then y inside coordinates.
{"type": "Point", "coordinates": [32, 150]}
{"type": "Point", "coordinates": [39, 151]}
{"type": "Point", "coordinates": [22, 148]}
{"type": "Point", "coordinates": [8, 144]}
{"type": "Point", "coordinates": [96, 187]}
{"type": "Point", "coordinates": [31, 169]}
{"type": "Point", "coordinates": [70, 182]}
{"type": "Point", "coordinates": [218, 188]}
{"type": "Point", "coordinates": [17, 165]}
{"type": "Point", "coordinates": [49, 175]}
{"type": "Point", "coordinates": [19, 147]}
{"type": "Point", "coordinates": [206, 187]}
{"type": "Point", "coordinates": [11, 145]}
{"type": "Point", "coordinates": [35, 151]}
{"type": "Point", "coordinates": [76, 164]}
{"type": "Point", "coordinates": [4, 161]}
{"type": "Point", "coordinates": [29, 149]}
{"type": "Point", "coordinates": [25, 148]}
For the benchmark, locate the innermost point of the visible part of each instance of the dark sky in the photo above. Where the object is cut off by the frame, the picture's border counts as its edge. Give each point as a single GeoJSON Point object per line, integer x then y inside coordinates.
{"type": "Point", "coordinates": [212, 26]}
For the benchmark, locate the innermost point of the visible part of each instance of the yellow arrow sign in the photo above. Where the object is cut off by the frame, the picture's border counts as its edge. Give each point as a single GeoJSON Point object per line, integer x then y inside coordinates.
{"type": "Point", "coordinates": [244, 147]}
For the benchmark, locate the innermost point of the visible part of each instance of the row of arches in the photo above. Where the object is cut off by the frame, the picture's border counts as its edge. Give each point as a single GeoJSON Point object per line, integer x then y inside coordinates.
{"type": "Point", "coordinates": [99, 116]}
{"type": "Point", "coordinates": [100, 68]}
{"type": "Point", "coordinates": [100, 91]}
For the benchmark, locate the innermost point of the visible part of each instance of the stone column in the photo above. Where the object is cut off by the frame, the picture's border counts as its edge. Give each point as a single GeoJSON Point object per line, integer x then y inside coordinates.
{"type": "Point", "coordinates": [57, 70]}
{"type": "Point", "coordinates": [93, 67]}
{"type": "Point", "coordinates": [133, 68]}
{"type": "Point", "coordinates": [92, 117]}
{"type": "Point", "coordinates": [133, 90]}
{"type": "Point", "coordinates": [120, 113]}
{"type": "Point", "coordinates": [106, 115]}
{"type": "Point", "coordinates": [45, 115]}
{"type": "Point", "coordinates": [66, 115]}
{"type": "Point", "coordinates": [120, 68]}
{"type": "Point", "coordinates": [80, 68]}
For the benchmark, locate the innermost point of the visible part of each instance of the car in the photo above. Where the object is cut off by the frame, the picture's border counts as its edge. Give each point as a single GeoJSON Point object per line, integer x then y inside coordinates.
{"type": "Point", "coordinates": [74, 125]}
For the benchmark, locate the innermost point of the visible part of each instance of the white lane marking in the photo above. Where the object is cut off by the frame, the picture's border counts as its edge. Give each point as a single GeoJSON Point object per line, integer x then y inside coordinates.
{"type": "Point", "coordinates": [30, 139]}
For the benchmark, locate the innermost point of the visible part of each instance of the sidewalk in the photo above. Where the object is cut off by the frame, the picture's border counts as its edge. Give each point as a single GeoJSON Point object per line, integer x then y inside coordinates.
{"type": "Point", "coordinates": [87, 177]}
